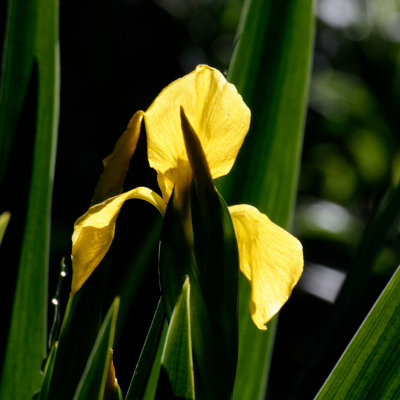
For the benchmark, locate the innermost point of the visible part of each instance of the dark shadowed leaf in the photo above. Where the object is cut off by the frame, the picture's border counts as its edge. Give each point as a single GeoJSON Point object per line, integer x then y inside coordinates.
{"type": "Point", "coordinates": [83, 314]}
{"type": "Point", "coordinates": [147, 356]}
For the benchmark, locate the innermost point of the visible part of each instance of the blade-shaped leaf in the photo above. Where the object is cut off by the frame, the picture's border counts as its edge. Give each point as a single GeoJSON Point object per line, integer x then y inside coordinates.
{"type": "Point", "coordinates": [117, 395]}
{"type": "Point", "coordinates": [213, 290]}
{"type": "Point", "coordinates": [370, 368]}
{"type": "Point", "coordinates": [93, 382]}
{"type": "Point", "coordinates": [381, 230]}
{"type": "Point", "coordinates": [270, 68]}
{"type": "Point", "coordinates": [17, 66]}
{"type": "Point", "coordinates": [147, 355]}
{"type": "Point", "coordinates": [152, 382]}
{"type": "Point", "coordinates": [202, 245]}
{"type": "Point", "coordinates": [176, 377]}
{"type": "Point", "coordinates": [48, 371]}
{"type": "Point", "coordinates": [217, 257]}
{"type": "Point", "coordinates": [83, 314]}
{"type": "Point", "coordinates": [31, 56]}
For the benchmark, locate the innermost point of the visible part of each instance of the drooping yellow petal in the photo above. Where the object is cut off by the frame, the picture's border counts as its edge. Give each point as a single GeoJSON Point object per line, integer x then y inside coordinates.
{"type": "Point", "coordinates": [270, 258]}
{"type": "Point", "coordinates": [94, 232]}
{"type": "Point", "coordinates": [116, 164]}
{"type": "Point", "coordinates": [216, 112]}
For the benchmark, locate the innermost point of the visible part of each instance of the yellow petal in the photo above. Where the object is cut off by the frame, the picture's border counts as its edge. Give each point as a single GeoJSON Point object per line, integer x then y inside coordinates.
{"type": "Point", "coordinates": [116, 164]}
{"type": "Point", "coordinates": [216, 112]}
{"type": "Point", "coordinates": [270, 258]}
{"type": "Point", "coordinates": [4, 219]}
{"type": "Point", "coordinates": [166, 186]}
{"type": "Point", "coordinates": [94, 232]}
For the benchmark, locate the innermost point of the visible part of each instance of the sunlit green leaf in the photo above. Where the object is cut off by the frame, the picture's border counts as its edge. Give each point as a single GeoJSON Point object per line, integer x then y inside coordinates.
{"type": "Point", "coordinates": [176, 376]}
{"type": "Point", "coordinates": [381, 229]}
{"type": "Point", "coordinates": [271, 68]}
{"type": "Point", "coordinates": [93, 382]}
{"type": "Point", "coordinates": [369, 368]}
{"type": "Point", "coordinates": [152, 381]}
{"type": "Point", "coordinates": [117, 395]}
{"type": "Point", "coordinates": [30, 60]}
{"type": "Point", "coordinates": [44, 390]}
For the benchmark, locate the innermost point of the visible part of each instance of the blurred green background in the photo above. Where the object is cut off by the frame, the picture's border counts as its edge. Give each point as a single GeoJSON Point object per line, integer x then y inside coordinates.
{"type": "Point", "coordinates": [116, 55]}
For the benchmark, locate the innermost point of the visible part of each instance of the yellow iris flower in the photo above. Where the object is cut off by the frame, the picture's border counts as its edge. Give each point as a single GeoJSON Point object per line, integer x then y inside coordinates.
{"type": "Point", "coordinates": [270, 258]}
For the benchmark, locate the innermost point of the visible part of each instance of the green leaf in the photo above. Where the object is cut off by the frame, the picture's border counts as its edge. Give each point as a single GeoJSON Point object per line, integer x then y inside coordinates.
{"type": "Point", "coordinates": [31, 57]}
{"type": "Point", "coordinates": [382, 228]}
{"type": "Point", "coordinates": [4, 219]}
{"type": "Point", "coordinates": [270, 68]}
{"type": "Point", "coordinates": [199, 242]}
{"type": "Point", "coordinates": [212, 266]}
{"type": "Point", "coordinates": [152, 382]}
{"type": "Point", "coordinates": [83, 314]}
{"type": "Point", "coordinates": [176, 377]}
{"type": "Point", "coordinates": [48, 371]}
{"type": "Point", "coordinates": [19, 54]}
{"type": "Point", "coordinates": [93, 382]}
{"type": "Point", "coordinates": [147, 356]}
{"type": "Point", "coordinates": [117, 395]}
{"type": "Point", "coordinates": [369, 368]}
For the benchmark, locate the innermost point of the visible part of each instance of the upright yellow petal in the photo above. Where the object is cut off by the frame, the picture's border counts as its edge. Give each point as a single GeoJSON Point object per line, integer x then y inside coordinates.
{"type": "Point", "coordinates": [166, 186]}
{"type": "Point", "coordinates": [116, 164]}
{"type": "Point", "coordinates": [216, 112]}
{"type": "Point", "coordinates": [270, 258]}
{"type": "Point", "coordinates": [4, 219]}
{"type": "Point", "coordinates": [94, 232]}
